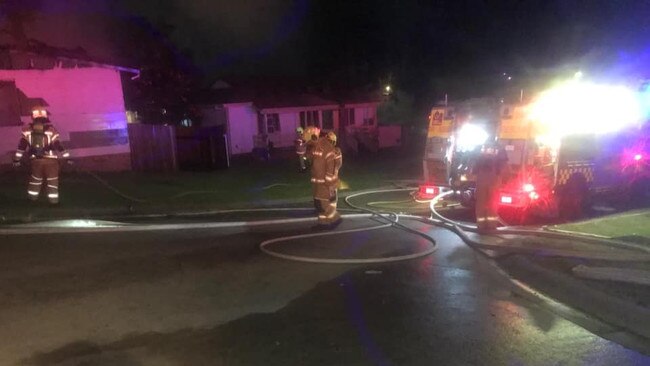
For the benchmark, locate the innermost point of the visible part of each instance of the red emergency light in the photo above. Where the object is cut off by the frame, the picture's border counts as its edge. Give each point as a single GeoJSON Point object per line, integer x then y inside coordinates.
{"type": "Point", "coordinates": [519, 198]}
{"type": "Point", "coordinates": [429, 191]}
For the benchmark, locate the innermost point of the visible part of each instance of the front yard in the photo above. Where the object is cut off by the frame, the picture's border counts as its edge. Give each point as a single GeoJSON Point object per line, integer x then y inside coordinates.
{"type": "Point", "coordinates": [247, 183]}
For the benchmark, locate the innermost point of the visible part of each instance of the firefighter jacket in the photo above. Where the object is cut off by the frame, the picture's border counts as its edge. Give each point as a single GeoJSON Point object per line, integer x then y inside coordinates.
{"type": "Point", "coordinates": [324, 169]}
{"type": "Point", "coordinates": [40, 141]}
{"type": "Point", "coordinates": [301, 146]}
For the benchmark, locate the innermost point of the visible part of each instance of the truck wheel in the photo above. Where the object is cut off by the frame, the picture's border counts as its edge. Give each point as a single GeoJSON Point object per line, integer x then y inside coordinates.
{"type": "Point", "coordinates": [574, 197]}
{"type": "Point", "coordinates": [467, 199]}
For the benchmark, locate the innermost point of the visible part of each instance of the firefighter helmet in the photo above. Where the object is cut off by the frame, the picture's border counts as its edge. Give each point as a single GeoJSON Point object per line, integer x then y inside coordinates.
{"type": "Point", "coordinates": [331, 136]}
{"type": "Point", "coordinates": [300, 131]}
{"type": "Point", "coordinates": [311, 133]}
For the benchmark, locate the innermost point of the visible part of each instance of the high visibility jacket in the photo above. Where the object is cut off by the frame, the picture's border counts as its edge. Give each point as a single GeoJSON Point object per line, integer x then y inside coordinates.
{"type": "Point", "coordinates": [301, 146]}
{"type": "Point", "coordinates": [324, 169]}
{"type": "Point", "coordinates": [40, 143]}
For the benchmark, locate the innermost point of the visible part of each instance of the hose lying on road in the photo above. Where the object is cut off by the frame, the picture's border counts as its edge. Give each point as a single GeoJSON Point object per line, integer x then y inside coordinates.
{"type": "Point", "coordinates": [388, 218]}
{"type": "Point", "coordinates": [462, 228]}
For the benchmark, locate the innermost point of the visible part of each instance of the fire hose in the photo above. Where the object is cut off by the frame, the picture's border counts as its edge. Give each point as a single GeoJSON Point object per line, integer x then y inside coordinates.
{"type": "Point", "coordinates": [462, 228]}
{"type": "Point", "coordinates": [391, 219]}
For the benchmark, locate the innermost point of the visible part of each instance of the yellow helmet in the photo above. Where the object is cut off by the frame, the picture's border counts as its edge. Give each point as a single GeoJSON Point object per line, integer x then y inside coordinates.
{"type": "Point", "coordinates": [311, 132]}
{"type": "Point", "coordinates": [332, 137]}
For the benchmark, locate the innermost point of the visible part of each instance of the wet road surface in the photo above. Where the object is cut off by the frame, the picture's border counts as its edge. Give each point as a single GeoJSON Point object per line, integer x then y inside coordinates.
{"type": "Point", "coordinates": [210, 297]}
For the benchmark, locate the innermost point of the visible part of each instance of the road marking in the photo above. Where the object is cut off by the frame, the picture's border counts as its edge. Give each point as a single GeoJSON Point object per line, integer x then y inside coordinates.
{"type": "Point", "coordinates": [18, 230]}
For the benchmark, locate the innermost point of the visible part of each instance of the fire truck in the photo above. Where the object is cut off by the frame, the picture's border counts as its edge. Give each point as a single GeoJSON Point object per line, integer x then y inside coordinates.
{"type": "Point", "coordinates": [560, 175]}
{"type": "Point", "coordinates": [561, 153]}
{"type": "Point", "coordinates": [455, 135]}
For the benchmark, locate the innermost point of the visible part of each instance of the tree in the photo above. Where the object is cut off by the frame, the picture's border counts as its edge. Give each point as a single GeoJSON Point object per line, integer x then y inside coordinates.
{"type": "Point", "coordinates": [161, 94]}
{"type": "Point", "coordinates": [398, 108]}
{"type": "Point", "coordinates": [14, 16]}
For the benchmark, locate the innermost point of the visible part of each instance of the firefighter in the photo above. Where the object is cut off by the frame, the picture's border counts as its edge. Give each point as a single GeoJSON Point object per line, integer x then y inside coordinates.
{"type": "Point", "coordinates": [310, 136]}
{"type": "Point", "coordinates": [301, 149]}
{"type": "Point", "coordinates": [326, 162]}
{"type": "Point", "coordinates": [489, 170]}
{"type": "Point", "coordinates": [41, 142]}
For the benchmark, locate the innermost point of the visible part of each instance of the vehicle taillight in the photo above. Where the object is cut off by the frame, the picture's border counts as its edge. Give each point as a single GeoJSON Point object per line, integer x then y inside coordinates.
{"type": "Point", "coordinates": [429, 191]}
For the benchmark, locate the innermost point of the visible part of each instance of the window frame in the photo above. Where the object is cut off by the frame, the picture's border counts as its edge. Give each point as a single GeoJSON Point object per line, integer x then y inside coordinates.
{"type": "Point", "coordinates": [307, 118]}
{"type": "Point", "coordinates": [329, 112]}
{"type": "Point", "coordinates": [272, 121]}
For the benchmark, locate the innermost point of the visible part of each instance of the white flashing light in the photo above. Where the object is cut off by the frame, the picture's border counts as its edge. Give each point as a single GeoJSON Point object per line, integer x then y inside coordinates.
{"type": "Point", "coordinates": [470, 136]}
{"type": "Point", "coordinates": [578, 107]}
{"type": "Point", "coordinates": [638, 157]}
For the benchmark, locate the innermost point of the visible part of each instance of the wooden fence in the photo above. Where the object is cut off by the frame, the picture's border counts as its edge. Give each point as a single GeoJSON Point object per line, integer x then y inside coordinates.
{"type": "Point", "coordinates": [153, 148]}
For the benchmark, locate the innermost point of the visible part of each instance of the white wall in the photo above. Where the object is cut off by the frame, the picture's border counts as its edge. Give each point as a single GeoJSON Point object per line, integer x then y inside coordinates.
{"type": "Point", "coordinates": [289, 121]}
{"type": "Point", "coordinates": [361, 113]}
{"type": "Point", "coordinates": [79, 99]}
{"type": "Point", "coordinates": [242, 126]}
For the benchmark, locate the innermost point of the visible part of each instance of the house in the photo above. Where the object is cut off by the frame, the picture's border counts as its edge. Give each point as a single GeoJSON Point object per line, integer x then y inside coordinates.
{"type": "Point", "coordinates": [248, 115]}
{"type": "Point", "coordinates": [85, 100]}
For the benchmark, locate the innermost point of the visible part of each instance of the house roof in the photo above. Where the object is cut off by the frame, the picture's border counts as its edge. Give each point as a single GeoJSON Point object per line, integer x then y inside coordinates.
{"type": "Point", "coordinates": [269, 101]}
{"type": "Point", "coordinates": [272, 95]}
{"type": "Point", "coordinates": [359, 97]}
{"type": "Point", "coordinates": [77, 56]}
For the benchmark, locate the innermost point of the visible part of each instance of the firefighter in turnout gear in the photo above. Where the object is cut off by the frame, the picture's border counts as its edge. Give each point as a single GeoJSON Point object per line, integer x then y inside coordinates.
{"type": "Point", "coordinates": [326, 161]}
{"type": "Point", "coordinates": [489, 170]}
{"type": "Point", "coordinates": [41, 143]}
{"type": "Point", "coordinates": [301, 149]}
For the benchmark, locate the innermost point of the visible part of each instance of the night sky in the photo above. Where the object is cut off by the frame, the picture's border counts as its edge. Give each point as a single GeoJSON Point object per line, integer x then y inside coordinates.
{"type": "Point", "coordinates": [420, 46]}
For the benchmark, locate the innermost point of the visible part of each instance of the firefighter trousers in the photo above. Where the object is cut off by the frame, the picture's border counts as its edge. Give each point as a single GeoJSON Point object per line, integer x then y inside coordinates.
{"type": "Point", "coordinates": [303, 161]}
{"type": "Point", "coordinates": [44, 172]}
{"type": "Point", "coordinates": [487, 217]}
{"type": "Point", "coordinates": [326, 209]}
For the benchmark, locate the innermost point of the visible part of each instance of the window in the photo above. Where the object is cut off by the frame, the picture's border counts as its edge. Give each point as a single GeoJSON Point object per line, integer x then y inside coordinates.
{"type": "Point", "coordinates": [272, 122]}
{"type": "Point", "coordinates": [328, 120]}
{"type": "Point", "coordinates": [349, 114]}
{"type": "Point", "coordinates": [268, 123]}
{"type": "Point", "coordinates": [309, 118]}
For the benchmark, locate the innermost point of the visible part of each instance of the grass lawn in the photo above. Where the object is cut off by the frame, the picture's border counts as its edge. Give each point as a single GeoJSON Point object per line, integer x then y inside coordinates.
{"type": "Point", "coordinates": [629, 224]}
{"type": "Point", "coordinates": [245, 183]}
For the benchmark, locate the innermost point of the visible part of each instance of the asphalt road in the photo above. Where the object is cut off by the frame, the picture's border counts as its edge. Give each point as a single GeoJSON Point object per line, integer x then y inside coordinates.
{"type": "Point", "coordinates": [210, 297]}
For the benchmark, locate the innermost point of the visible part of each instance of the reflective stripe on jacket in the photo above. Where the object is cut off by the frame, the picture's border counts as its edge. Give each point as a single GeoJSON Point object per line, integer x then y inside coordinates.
{"type": "Point", "coordinates": [52, 144]}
